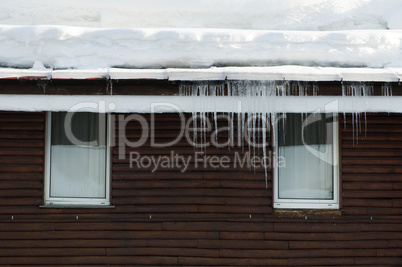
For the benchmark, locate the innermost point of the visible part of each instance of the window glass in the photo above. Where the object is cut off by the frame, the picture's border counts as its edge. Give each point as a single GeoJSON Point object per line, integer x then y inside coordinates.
{"type": "Point", "coordinates": [306, 142]}
{"type": "Point", "coordinates": [77, 155]}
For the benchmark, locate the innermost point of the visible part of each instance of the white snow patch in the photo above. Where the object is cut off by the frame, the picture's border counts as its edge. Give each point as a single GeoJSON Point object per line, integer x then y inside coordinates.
{"type": "Point", "coordinates": [309, 15]}
{"type": "Point", "coordinates": [276, 73]}
{"type": "Point", "coordinates": [161, 104]}
{"type": "Point", "coordinates": [154, 74]}
{"type": "Point", "coordinates": [6, 73]}
{"type": "Point", "coordinates": [86, 48]}
{"type": "Point", "coordinates": [80, 74]}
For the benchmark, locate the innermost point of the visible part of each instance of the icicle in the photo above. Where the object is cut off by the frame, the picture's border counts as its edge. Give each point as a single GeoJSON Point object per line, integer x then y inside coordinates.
{"type": "Point", "coordinates": [386, 91]}
{"type": "Point", "coordinates": [258, 111]}
{"type": "Point", "coordinates": [356, 91]}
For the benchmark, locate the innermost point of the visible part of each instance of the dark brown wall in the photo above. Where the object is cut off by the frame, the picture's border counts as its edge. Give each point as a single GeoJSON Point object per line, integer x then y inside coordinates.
{"type": "Point", "coordinates": [201, 217]}
{"type": "Point", "coordinates": [372, 166]}
{"type": "Point", "coordinates": [154, 87]}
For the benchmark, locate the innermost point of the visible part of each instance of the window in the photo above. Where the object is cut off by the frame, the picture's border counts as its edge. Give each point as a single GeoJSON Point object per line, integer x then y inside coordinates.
{"type": "Point", "coordinates": [308, 146]}
{"type": "Point", "coordinates": [77, 159]}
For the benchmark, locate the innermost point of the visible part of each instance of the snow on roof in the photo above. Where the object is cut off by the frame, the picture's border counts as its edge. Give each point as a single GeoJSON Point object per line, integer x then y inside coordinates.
{"type": "Point", "coordinates": [307, 15]}
{"type": "Point", "coordinates": [160, 104]}
{"type": "Point", "coordinates": [77, 47]}
{"type": "Point", "coordinates": [88, 35]}
{"type": "Point", "coordinates": [289, 73]}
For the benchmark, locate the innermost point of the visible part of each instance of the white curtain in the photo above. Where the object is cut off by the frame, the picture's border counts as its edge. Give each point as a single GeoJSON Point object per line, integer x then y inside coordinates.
{"type": "Point", "coordinates": [306, 175]}
{"type": "Point", "coordinates": [78, 171]}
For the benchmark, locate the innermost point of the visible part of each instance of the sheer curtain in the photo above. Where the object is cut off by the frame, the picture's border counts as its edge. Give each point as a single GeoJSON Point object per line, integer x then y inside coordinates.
{"type": "Point", "coordinates": [78, 171]}
{"type": "Point", "coordinates": [308, 172]}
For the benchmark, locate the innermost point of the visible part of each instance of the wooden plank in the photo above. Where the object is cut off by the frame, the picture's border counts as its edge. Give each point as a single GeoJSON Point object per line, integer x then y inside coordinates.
{"type": "Point", "coordinates": [157, 208]}
{"type": "Point", "coordinates": [318, 236]}
{"type": "Point", "coordinates": [389, 252]}
{"type": "Point", "coordinates": [165, 184]}
{"type": "Point", "coordinates": [21, 193]}
{"type": "Point", "coordinates": [252, 244]}
{"type": "Point", "coordinates": [372, 152]}
{"type": "Point", "coordinates": [19, 201]}
{"type": "Point", "coordinates": [370, 211]}
{"type": "Point", "coordinates": [148, 166]}
{"type": "Point", "coordinates": [23, 126]}
{"type": "Point", "coordinates": [372, 161]}
{"type": "Point", "coordinates": [22, 227]}
{"type": "Point", "coordinates": [22, 134]}
{"type": "Point", "coordinates": [322, 261]}
{"type": "Point", "coordinates": [367, 186]}
{"type": "Point", "coordinates": [21, 160]}
{"type": "Point", "coordinates": [201, 261]}
{"type": "Point", "coordinates": [368, 169]}
{"type": "Point", "coordinates": [176, 251]}
{"type": "Point", "coordinates": [390, 235]}
{"type": "Point", "coordinates": [397, 203]}
{"type": "Point", "coordinates": [397, 186]}
{"type": "Point", "coordinates": [222, 209]}
{"type": "Point", "coordinates": [22, 176]}
{"type": "Point", "coordinates": [299, 253]}
{"type": "Point", "coordinates": [124, 260]}
{"type": "Point", "coordinates": [73, 243]}
{"type": "Point", "coordinates": [372, 177]}
{"type": "Point", "coordinates": [41, 252]}
{"type": "Point", "coordinates": [316, 227]}
{"type": "Point", "coordinates": [158, 192]}
{"type": "Point", "coordinates": [42, 261]}
{"type": "Point", "coordinates": [74, 226]}
{"type": "Point", "coordinates": [138, 184]}
{"type": "Point", "coordinates": [371, 194]}
{"type": "Point", "coordinates": [20, 168]}
{"type": "Point", "coordinates": [21, 185]}
{"type": "Point", "coordinates": [217, 226]}
{"type": "Point", "coordinates": [113, 234]}
{"type": "Point", "coordinates": [394, 261]}
{"type": "Point", "coordinates": [9, 143]}
{"type": "Point", "coordinates": [182, 243]}
{"type": "Point", "coordinates": [241, 235]}
{"type": "Point", "coordinates": [194, 200]}
{"type": "Point", "coordinates": [228, 192]}
{"type": "Point", "coordinates": [366, 244]}
{"type": "Point", "coordinates": [381, 227]}
{"type": "Point", "coordinates": [233, 176]}
{"type": "Point", "coordinates": [378, 145]}
{"type": "Point", "coordinates": [356, 202]}
{"type": "Point", "coordinates": [373, 118]}
{"type": "Point", "coordinates": [32, 117]}
{"type": "Point", "coordinates": [21, 151]}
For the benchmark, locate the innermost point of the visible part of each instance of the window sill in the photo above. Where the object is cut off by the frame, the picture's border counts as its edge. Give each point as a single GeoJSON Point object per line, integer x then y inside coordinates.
{"type": "Point", "coordinates": [298, 205]}
{"type": "Point", "coordinates": [75, 206]}
{"type": "Point", "coordinates": [308, 212]}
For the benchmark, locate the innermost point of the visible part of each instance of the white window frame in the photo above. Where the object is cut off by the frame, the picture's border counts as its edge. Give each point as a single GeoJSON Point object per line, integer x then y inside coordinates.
{"type": "Point", "coordinates": [76, 201]}
{"type": "Point", "coordinates": [288, 203]}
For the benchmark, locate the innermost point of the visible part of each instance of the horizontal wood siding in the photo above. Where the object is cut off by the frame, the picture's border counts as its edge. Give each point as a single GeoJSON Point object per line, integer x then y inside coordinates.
{"type": "Point", "coordinates": [204, 216]}
{"type": "Point", "coordinates": [372, 165]}
{"type": "Point", "coordinates": [153, 87]}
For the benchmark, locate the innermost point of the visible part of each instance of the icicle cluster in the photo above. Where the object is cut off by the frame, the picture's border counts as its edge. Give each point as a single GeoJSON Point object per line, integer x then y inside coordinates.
{"type": "Point", "coordinates": [357, 90]}
{"type": "Point", "coordinates": [256, 112]}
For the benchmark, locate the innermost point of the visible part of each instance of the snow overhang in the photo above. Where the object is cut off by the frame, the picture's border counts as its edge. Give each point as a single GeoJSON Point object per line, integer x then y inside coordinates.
{"type": "Point", "coordinates": [278, 73]}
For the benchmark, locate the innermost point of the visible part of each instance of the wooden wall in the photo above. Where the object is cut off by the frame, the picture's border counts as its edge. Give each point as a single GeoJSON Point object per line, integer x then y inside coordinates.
{"type": "Point", "coordinates": [200, 217]}
{"type": "Point", "coordinates": [372, 165]}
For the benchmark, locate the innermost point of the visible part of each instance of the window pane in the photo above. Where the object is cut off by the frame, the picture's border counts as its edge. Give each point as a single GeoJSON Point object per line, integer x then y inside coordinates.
{"type": "Point", "coordinates": [308, 173]}
{"type": "Point", "coordinates": [78, 170]}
